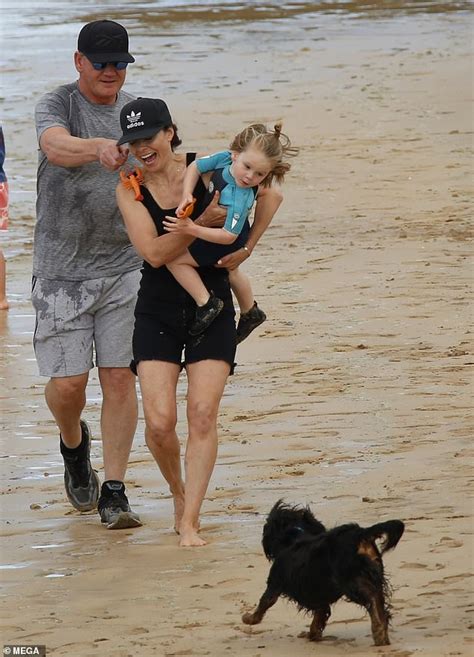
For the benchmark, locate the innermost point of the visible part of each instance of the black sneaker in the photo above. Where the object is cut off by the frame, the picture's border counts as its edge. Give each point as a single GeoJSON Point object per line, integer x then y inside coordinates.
{"type": "Point", "coordinates": [81, 482]}
{"type": "Point", "coordinates": [249, 321]}
{"type": "Point", "coordinates": [114, 508]}
{"type": "Point", "coordinates": [205, 315]}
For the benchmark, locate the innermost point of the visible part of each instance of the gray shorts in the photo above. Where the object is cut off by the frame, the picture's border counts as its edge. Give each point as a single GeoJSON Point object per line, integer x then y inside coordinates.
{"type": "Point", "coordinates": [74, 318]}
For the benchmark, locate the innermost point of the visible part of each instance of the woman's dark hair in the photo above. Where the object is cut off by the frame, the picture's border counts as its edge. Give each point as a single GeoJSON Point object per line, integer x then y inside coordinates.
{"type": "Point", "coordinates": [176, 141]}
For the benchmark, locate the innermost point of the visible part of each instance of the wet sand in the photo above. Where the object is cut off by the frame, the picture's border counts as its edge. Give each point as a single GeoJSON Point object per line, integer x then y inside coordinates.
{"type": "Point", "coordinates": [355, 397]}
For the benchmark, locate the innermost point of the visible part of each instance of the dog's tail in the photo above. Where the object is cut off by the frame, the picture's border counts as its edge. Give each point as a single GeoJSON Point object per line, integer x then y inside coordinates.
{"type": "Point", "coordinates": [284, 525]}
{"type": "Point", "coordinates": [390, 532]}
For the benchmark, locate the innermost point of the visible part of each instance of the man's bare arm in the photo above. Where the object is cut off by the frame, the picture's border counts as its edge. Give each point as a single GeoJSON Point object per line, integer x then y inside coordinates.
{"type": "Point", "coordinates": [62, 149]}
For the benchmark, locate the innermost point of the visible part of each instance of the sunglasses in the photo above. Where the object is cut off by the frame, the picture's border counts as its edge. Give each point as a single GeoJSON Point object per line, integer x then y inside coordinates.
{"type": "Point", "coordinates": [99, 66]}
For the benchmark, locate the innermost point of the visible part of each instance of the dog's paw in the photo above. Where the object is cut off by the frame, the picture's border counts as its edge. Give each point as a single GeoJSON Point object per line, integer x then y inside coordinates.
{"type": "Point", "coordinates": [311, 636]}
{"type": "Point", "coordinates": [249, 619]}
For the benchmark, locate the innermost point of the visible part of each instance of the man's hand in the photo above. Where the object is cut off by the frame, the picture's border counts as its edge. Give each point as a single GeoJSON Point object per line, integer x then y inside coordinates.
{"type": "Point", "coordinates": [214, 215]}
{"type": "Point", "coordinates": [111, 156]}
{"type": "Point", "coordinates": [233, 260]}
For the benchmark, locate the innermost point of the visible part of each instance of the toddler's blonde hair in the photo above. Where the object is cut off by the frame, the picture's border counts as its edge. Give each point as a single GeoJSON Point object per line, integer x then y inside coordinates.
{"type": "Point", "coordinates": [274, 145]}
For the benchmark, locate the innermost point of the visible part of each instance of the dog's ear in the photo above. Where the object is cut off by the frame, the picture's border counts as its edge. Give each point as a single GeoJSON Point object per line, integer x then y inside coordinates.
{"type": "Point", "coordinates": [279, 504]}
{"type": "Point", "coordinates": [389, 533]}
{"type": "Point", "coordinates": [309, 523]}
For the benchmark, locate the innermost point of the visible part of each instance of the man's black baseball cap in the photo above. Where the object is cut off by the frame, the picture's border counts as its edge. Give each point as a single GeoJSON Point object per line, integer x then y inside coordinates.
{"type": "Point", "coordinates": [142, 118]}
{"type": "Point", "coordinates": [104, 41]}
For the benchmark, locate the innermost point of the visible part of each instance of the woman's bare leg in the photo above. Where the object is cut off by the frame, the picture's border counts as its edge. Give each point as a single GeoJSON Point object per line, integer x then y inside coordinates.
{"type": "Point", "coordinates": [206, 381]}
{"type": "Point", "coordinates": [158, 381]}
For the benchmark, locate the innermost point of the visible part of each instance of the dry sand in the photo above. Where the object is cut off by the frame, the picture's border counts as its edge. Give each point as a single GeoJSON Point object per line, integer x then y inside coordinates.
{"type": "Point", "coordinates": [354, 398]}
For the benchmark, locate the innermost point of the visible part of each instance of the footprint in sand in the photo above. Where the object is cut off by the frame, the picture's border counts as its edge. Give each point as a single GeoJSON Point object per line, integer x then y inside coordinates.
{"type": "Point", "coordinates": [236, 595]}
{"type": "Point", "coordinates": [422, 622]}
{"type": "Point", "coordinates": [447, 542]}
{"type": "Point", "coordinates": [413, 566]}
{"type": "Point", "coordinates": [233, 581]}
{"type": "Point", "coordinates": [138, 631]}
{"type": "Point", "coordinates": [447, 580]}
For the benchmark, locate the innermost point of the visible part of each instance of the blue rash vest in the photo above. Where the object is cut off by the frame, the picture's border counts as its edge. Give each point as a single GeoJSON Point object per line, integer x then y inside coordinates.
{"type": "Point", "coordinates": [237, 200]}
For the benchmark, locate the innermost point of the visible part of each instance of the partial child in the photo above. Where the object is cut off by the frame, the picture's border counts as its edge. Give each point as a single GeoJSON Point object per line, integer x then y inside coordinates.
{"type": "Point", "coordinates": [256, 157]}
{"type": "Point", "coordinates": [4, 305]}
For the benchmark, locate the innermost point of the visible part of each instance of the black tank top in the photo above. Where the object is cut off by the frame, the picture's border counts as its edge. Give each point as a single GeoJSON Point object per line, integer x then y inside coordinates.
{"type": "Point", "coordinates": [158, 286]}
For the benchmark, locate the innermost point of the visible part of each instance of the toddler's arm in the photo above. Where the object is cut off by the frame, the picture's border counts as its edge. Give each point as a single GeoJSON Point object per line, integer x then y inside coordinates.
{"type": "Point", "coordinates": [186, 226]}
{"type": "Point", "coordinates": [191, 178]}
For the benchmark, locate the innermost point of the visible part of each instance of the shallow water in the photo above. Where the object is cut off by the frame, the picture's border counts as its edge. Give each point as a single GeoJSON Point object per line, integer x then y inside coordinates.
{"type": "Point", "coordinates": [38, 38]}
{"type": "Point", "coordinates": [187, 51]}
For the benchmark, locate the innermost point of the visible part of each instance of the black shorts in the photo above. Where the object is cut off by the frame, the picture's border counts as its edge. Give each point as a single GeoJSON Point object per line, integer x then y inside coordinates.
{"type": "Point", "coordinates": [163, 337]}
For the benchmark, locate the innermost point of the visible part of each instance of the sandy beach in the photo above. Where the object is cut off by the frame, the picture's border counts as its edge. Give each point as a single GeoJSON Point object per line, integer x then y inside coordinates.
{"type": "Point", "coordinates": [355, 397]}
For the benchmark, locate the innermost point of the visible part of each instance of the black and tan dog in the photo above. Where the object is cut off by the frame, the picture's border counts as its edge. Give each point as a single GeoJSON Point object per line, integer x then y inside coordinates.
{"type": "Point", "coordinates": [315, 567]}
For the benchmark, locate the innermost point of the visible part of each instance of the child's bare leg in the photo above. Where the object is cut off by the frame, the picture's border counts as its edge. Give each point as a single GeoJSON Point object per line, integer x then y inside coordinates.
{"type": "Point", "coordinates": [241, 287]}
{"type": "Point", "coordinates": [251, 315]}
{"type": "Point", "coordinates": [3, 292]}
{"type": "Point", "coordinates": [184, 271]}
{"type": "Point", "coordinates": [209, 306]}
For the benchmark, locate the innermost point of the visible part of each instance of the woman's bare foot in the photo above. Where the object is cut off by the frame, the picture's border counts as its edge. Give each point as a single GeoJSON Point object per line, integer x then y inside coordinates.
{"type": "Point", "coordinates": [190, 537]}
{"type": "Point", "coordinates": [4, 305]}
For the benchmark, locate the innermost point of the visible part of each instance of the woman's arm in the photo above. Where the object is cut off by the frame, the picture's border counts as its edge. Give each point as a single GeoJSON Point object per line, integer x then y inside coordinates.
{"type": "Point", "coordinates": [156, 249]}
{"type": "Point", "coordinates": [269, 200]}
{"type": "Point", "coordinates": [64, 150]}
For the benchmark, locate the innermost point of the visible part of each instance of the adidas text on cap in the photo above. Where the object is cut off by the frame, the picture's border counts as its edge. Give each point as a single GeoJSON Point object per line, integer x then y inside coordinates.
{"type": "Point", "coordinates": [143, 118]}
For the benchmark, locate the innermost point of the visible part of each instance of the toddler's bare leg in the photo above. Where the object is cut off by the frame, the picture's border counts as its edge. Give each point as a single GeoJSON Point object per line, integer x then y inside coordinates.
{"type": "Point", "coordinates": [184, 271]}
{"type": "Point", "coordinates": [241, 287]}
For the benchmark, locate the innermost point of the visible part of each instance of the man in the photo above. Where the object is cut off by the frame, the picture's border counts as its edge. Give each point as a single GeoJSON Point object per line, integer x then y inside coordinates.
{"type": "Point", "coordinates": [85, 271]}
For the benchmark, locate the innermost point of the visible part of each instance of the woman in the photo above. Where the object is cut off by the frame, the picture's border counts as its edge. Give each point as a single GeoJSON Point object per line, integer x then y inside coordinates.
{"type": "Point", "coordinates": [164, 311]}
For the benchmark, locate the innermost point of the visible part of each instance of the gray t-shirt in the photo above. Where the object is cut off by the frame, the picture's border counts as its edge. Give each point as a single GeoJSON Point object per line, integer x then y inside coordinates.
{"type": "Point", "coordinates": [79, 232]}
